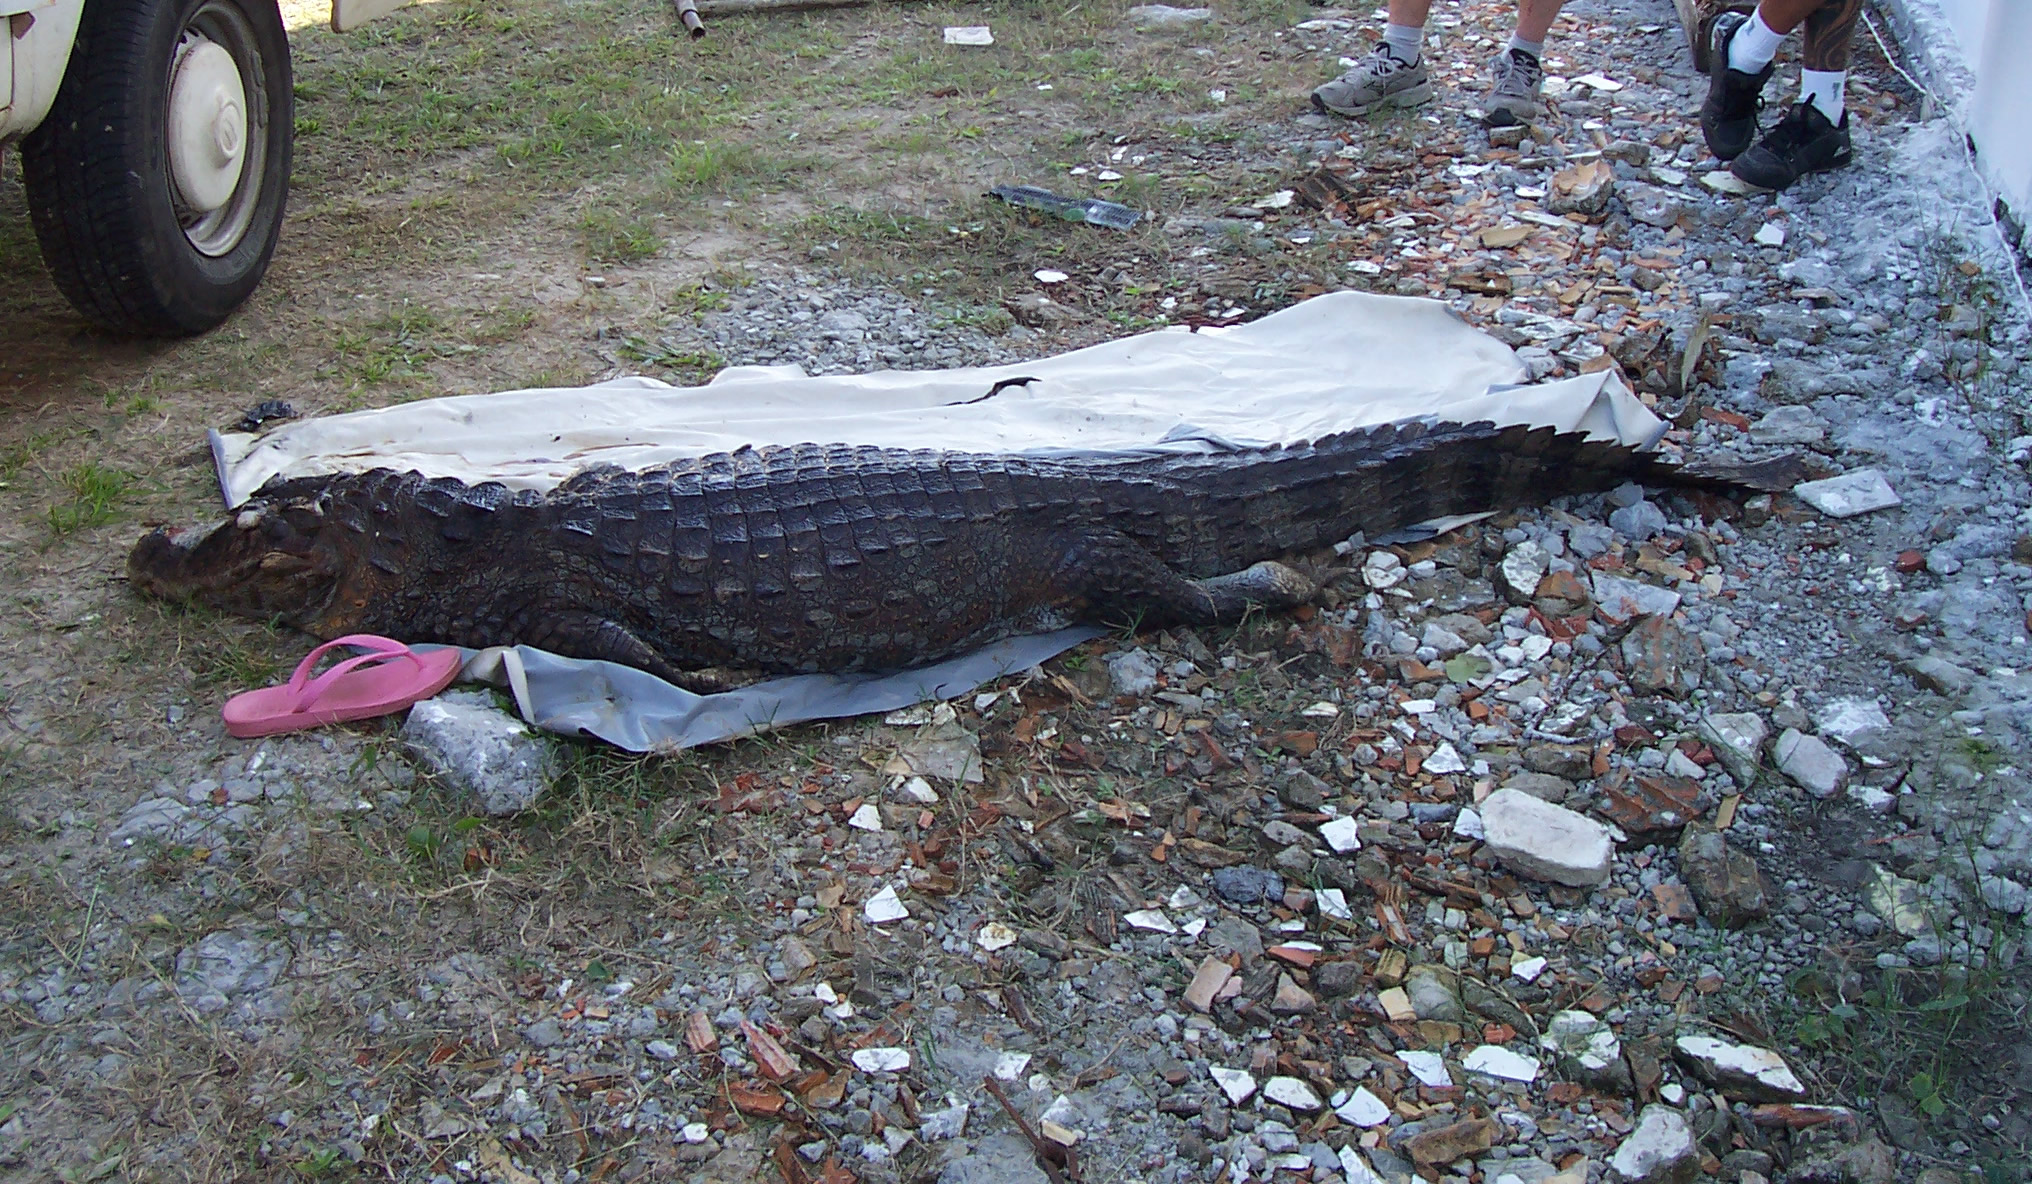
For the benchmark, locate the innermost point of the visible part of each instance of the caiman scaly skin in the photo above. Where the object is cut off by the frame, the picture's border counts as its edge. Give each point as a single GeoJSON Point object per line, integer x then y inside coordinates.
{"type": "Point", "coordinates": [838, 557]}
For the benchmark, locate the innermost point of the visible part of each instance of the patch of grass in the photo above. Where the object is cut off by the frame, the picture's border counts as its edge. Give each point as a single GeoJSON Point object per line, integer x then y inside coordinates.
{"type": "Point", "coordinates": [717, 166]}
{"type": "Point", "coordinates": [615, 237]}
{"type": "Point", "coordinates": [693, 365]}
{"type": "Point", "coordinates": [96, 493]}
{"type": "Point", "coordinates": [695, 300]}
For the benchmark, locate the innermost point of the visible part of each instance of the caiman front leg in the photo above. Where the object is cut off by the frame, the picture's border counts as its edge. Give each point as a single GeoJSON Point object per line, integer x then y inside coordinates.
{"type": "Point", "coordinates": [1114, 579]}
{"type": "Point", "coordinates": [585, 635]}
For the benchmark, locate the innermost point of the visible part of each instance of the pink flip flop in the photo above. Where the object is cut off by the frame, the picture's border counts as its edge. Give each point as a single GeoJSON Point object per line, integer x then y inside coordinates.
{"type": "Point", "coordinates": [387, 678]}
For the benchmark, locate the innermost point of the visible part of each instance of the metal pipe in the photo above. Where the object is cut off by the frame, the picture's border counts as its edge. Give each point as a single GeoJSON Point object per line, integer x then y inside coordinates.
{"type": "Point", "coordinates": [687, 12]}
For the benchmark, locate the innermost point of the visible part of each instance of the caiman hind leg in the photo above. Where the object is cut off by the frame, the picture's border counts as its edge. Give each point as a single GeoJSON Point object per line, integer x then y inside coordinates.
{"type": "Point", "coordinates": [584, 635]}
{"type": "Point", "coordinates": [1115, 581]}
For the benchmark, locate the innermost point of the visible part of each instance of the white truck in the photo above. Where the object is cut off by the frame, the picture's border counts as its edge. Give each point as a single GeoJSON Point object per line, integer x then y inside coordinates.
{"type": "Point", "coordinates": [155, 143]}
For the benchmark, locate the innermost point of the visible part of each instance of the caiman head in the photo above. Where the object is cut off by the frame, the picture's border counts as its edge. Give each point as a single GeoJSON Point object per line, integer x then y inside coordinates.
{"type": "Point", "coordinates": [272, 560]}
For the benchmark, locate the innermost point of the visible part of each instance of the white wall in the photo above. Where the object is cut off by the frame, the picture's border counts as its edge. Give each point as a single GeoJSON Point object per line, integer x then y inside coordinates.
{"type": "Point", "coordinates": [1974, 54]}
{"type": "Point", "coordinates": [2000, 114]}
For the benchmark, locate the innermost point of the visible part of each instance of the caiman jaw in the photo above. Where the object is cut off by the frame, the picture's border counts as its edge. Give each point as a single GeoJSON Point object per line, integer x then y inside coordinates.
{"type": "Point", "coordinates": [159, 563]}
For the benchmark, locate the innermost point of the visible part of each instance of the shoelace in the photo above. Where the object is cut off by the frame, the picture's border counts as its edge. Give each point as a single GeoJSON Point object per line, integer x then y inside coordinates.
{"type": "Point", "coordinates": [1793, 130]}
{"type": "Point", "coordinates": [1521, 68]}
{"type": "Point", "coordinates": [1383, 63]}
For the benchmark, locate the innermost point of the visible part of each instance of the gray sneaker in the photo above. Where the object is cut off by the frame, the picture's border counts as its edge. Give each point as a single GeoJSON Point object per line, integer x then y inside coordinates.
{"type": "Point", "coordinates": [1382, 80]}
{"type": "Point", "coordinates": [1513, 96]}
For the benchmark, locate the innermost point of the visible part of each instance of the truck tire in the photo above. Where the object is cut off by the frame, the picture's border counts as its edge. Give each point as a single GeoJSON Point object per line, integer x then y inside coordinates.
{"type": "Point", "coordinates": [157, 182]}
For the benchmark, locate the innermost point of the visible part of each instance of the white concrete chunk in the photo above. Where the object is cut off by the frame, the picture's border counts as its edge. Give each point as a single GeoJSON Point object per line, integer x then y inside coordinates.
{"type": "Point", "coordinates": [1236, 1083]}
{"type": "Point", "coordinates": [1363, 1109]}
{"type": "Point", "coordinates": [1660, 1151]}
{"type": "Point", "coordinates": [1547, 842]}
{"type": "Point", "coordinates": [1621, 599]}
{"type": "Point", "coordinates": [1342, 834]}
{"type": "Point", "coordinates": [1290, 1091]}
{"type": "Point", "coordinates": [1497, 1061]}
{"type": "Point", "coordinates": [1854, 722]}
{"type": "Point", "coordinates": [1848, 495]}
{"type": "Point", "coordinates": [1740, 1070]}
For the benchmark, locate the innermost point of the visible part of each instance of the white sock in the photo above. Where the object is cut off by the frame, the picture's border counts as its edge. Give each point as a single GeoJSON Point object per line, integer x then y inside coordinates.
{"type": "Point", "coordinates": [1754, 45]}
{"type": "Point", "coordinates": [1823, 88]}
{"type": "Point", "coordinates": [1535, 48]}
{"type": "Point", "coordinates": [1405, 41]}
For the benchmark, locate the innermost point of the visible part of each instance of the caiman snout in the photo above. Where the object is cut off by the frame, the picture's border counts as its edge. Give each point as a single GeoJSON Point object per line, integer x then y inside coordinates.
{"type": "Point", "coordinates": [158, 563]}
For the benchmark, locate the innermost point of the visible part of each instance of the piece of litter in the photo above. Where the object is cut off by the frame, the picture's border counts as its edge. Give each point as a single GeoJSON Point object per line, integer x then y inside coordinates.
{"type": "Point", "coordinates": [865, 817]}
{"type": "Point", "coordinates": [1321, 710]}
{"type": "Point", "coordinates": [1599, 82]}
{"type": "Point", "coordinates": [1427, 1067]}
{"type": "Point", "coordinates": [1217, 95]}
{"type": "Point", "coordinates": [1276, 201]}
{"type": "Point", "coordinates": [884, 907]}
{"type": "Point", "coordinates": [1528, 969]}
{"type": "Point", "coordinates": [1770, 234]}
{"type": "Point", "coordinates": [1342, 834]}
{"type": "Point", "coordinates": [1150, 919]}
{"type": "Point", "coordinates": [1107, 175]}
{"type": "Point", "coordinates": [1236, 1083]}
{"type": "Point", "coordinates": [1496, 1061]}
{"type": "Point", "coordinates": [995, 936]}
{"type": "Point", "coordinates": [968, 35]}
{"type": "Point", "coordinates": [1724, 181]}
{"type": "Point", "coordinates": [1091, 210]}
{"type": "Point", "coordinates": [1048, 276]}
{"type": "Point", "coordinates": [1856, 492]}
{"type": "Point", "coordinates": [881, 1060]}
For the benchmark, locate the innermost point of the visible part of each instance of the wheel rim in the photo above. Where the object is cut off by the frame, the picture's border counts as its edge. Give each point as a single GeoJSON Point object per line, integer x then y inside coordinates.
{"type": "Point", "coordinates": [217, 128]}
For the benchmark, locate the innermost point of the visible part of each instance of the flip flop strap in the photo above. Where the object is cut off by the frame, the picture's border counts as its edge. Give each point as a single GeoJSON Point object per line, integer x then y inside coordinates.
{"type": "Point", "coordinates": [304, 691]}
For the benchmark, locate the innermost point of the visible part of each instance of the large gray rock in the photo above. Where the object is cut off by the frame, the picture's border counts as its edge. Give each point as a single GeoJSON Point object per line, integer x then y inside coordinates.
{"type": "Point", "coordinates": [1737, 739]}
{"type": "Point", "coordinates": [1726, 881]}
{"type": "Point", "coordinates": [1546, 842]}
{"type": "Point", "coordinates": [997, 1159]}
{"type": "Point", "coordinates": [478, 748]}
{"type": "Point", "coordinates": [1660, 1151]}
{"type": "Point", "coordinates": [1435, 993]}
{"type": "Point", "coordinates": [1740, 1071]}
{"type": "Point", "coordinates": [1133, 672]}
{"type": "Point", "coordinates": [1939, 675]}
{"type": "Point", "coordinates": [224, 965]}
{"type": "Point", "coordinates": [1810, 763]}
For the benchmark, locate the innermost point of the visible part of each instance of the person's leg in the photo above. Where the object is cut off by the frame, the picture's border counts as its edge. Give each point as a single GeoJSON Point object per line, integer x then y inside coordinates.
{"type": "Point", "coordinates": [1814, 135]}
{"type": "Point", "coordinates": [1534, 21]}
{"type": "Point", "coordinates": [1516, 72]}
{"type": "Point", "coordinates": [1824, 54]}
{"type": "Point", "coordinates": [1393, 75]}
{"type": "Point", "coordinates": [1405, 32]}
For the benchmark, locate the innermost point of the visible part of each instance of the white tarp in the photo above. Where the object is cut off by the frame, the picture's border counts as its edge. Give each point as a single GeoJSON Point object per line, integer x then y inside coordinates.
{"type": "Point", "coordinates": [1333, 363]}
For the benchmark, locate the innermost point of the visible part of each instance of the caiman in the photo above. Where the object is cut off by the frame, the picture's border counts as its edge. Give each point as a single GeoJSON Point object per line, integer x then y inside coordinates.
{"type": "Point", "coordinates": [829, 557]}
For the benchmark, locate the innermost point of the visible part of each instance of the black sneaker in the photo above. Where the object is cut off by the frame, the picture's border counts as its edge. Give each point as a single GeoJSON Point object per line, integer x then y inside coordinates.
{"type": "Point", "coordinates": [1729, 116]}
{"type": "Point", "coordinates": [1803, 142]}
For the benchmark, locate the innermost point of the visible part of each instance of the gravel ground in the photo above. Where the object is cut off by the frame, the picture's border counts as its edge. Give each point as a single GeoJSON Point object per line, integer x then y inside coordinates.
{"type": "Point", "coordinates": [1650, 836]}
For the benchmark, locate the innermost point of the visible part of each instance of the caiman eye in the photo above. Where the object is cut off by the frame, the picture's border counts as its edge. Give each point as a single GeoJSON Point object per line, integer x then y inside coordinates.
{"type": "Point", "coordinates": [247, 519]}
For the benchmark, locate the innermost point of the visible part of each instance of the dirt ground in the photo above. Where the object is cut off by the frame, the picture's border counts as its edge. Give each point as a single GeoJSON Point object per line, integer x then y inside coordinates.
{"type": "Point", "coordinates": [492, 195]}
